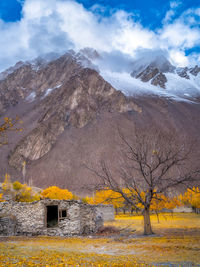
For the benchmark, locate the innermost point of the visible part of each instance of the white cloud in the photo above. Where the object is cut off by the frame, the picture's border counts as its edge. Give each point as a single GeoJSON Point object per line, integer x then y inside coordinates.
{"type": "Point", "coordinates": [169, 15]}
{"type": "Point", "coordinates": [57, 25]}
{"type": "Point", "coordinates": [180, 35]}
{"type": "Point", "coordinates": [172, 11]}
{"type": "Point", "coordinates": [178, 58]}
{"type": "Point", "coordinates": [175, 4]}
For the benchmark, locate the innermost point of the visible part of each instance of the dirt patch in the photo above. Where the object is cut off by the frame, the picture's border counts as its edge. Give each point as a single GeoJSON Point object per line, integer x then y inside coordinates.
{"type": "Point", "coordinates": [108, 230]}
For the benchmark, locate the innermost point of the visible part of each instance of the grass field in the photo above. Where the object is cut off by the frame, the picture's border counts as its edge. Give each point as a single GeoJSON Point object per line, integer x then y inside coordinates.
{"type": "Point", "coordinates": [176, 243]}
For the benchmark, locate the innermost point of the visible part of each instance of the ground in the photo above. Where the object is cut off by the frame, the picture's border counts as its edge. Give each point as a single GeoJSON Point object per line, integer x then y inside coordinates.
{"type": "Point", "coordinates": [176, 243]}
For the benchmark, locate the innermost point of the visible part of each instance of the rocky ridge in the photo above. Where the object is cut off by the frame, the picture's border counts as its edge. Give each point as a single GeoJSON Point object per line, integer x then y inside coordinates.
{"type": "Point", "coordinates": [65, 93]}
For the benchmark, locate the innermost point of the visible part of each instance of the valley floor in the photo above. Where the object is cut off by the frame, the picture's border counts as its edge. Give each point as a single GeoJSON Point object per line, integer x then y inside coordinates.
{"type": "Point", "coordinates": [176, 243]}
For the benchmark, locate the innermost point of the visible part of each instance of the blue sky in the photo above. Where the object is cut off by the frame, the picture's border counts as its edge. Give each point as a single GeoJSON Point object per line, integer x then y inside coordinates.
{"type": "Point", "coordinates": [10, 10]}
{"type": "Point", "coordinates": [149, 12]}
{"type": "Point", "coordinates": [40, 26]}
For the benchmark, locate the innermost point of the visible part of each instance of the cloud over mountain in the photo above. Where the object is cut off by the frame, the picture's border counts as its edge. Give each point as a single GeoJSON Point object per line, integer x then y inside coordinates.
{"type": "Point", "coordinates": [58, 25]}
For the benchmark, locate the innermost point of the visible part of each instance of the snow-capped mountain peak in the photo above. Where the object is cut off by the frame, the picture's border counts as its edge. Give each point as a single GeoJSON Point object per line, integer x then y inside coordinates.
{"type": "Point", "coordinates": [147, 73]}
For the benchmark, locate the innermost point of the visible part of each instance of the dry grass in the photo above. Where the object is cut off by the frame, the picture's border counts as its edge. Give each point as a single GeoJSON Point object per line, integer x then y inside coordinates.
{"type": "Point", "coordinates": [178, 223]}
{"type": "Point", "coordinates": [177, 244]}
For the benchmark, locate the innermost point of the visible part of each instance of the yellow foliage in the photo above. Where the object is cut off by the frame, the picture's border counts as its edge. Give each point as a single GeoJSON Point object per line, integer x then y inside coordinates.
{"type": "Point", "coordinates": [1, 198]}
{"type": "Point", "coordinates": [158, 203]}
{"type": "Point", "coordinates": [75, 197]}
{"type": "Point", "coordinates": [7, 185]}
{"type": "Point", "coordinates": [24, 193]}
{"type": "Point", "coordinates": [108, 196]}
{"type": "Point", "coordinates": [88, 200]}
{"type": "Point", "coordinates": [191, 197]}
{"type": "Point", "coordinates": [170, 246]}
{"type": "Point", "coordinates": [19, 192]}
{"type": "Point", "coordinates": [163, 202]}
{"type": "Point", "coordinates": [172, 203]}
{"type": "Point", "coordinates": [54, 192]}
{"type": "Point", "coordinates": [17, 185]}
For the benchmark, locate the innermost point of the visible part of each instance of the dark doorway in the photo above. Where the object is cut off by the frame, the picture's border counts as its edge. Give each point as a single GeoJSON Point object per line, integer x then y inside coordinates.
{"type": "Point", "coordinates": [52, 216]}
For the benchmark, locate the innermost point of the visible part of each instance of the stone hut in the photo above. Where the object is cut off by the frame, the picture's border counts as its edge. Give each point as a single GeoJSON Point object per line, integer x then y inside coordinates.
{"type": "Point", "coordinates": [49, 217]}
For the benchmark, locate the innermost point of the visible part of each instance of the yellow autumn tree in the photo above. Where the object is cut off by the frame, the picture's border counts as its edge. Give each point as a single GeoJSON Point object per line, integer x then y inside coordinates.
{"type": "Point", "coordinates": [7, 185]}
{"type": "Point", "coordinates": [19, 192]}
{"type": "Point", "coordinates": [163, 202]}
{"type": "Point", "coordinates": [54, 192]}
{"type": "Point", "coordinates": [191, 197]}
{"type": "Point", "coordinates": [24, 193]}
{"type": "Point", "coordinates": [108, 196]}
{"type": "Point", "coordinates": [88, 200]}
{"type": "Point", "coordinates": [158, 204]}
{"type": "Point", "coordinates": [17, 186]}
{"type": "Point", "coordinates": [172, 203]}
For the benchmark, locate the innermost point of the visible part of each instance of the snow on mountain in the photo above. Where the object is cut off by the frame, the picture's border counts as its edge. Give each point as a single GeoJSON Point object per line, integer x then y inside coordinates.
{"type": "Point", "coordinates": [183, 87]}
{"type": "Point", "coordinates": [68, 109]}
{"type": "Point", "coordinates": [149, 72]}
{"type": "Point", "coordinates": [43, 60]}
{"type": "Point", "coordinates": [49, 90]}
{"type": "Point", "coordinates": [134, 87]}
{"type": "Point", "coordinates": [155, 60]}
{"type": "Point", "coordinates": [31, 97]}
{"type": "Point", "coordinates": [128, 85]}
{"type": "Point", "coordinates": [36, 64]}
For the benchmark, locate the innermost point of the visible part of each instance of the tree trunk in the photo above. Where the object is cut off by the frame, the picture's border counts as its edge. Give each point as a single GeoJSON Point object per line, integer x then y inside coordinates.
{"type": "Point", "coordinates": [157, 217]}
{"type": "Point", "coordinates": [172, 213]}
{"type": "Point", "coordinates": [147, 222]}
{"type": "Point", "coordinates": [116, 211]}
{"type": "Point", "coordinates": [132, 210]}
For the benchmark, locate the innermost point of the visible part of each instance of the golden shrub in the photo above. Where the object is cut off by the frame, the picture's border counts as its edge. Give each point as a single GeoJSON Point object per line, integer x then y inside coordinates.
{"type": "Point", "coordinates": [54, 192]}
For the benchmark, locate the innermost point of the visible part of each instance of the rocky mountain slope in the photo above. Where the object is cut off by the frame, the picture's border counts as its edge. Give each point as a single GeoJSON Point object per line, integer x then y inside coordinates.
{"type": "Point", "coordinates": [71, 115]}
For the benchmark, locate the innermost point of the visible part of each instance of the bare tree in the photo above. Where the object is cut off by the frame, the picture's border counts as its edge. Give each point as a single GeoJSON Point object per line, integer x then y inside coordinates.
{"type": "Point", "coordinates": [152, 162]}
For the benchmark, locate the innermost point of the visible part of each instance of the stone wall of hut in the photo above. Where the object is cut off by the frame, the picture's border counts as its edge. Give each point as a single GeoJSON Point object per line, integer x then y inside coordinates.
{"type": "Point", "coordinates": [74, 218]}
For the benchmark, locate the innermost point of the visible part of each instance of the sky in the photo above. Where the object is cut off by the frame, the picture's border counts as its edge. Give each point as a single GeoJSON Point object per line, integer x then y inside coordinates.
{"type": "Point", "coordinates": [29, 28]}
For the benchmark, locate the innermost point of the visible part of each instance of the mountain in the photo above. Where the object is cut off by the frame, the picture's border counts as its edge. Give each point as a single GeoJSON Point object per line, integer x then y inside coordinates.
{"type": "Point", "coordinates": [157, 70]}
{"type": "Point", "coordinates": [157, 61]}
{"type": "Point", "coordinates": [148, 73]}
{"type": "Point", "coordinates": [71, 107]}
